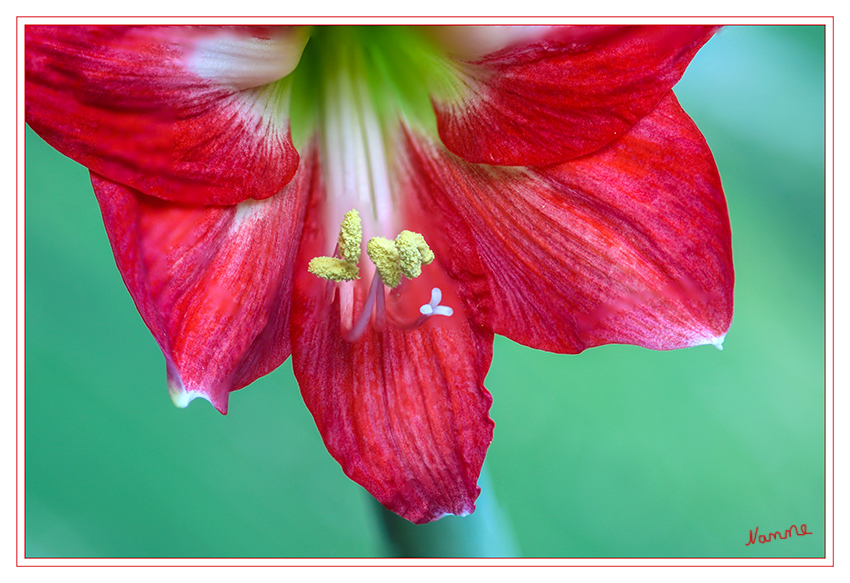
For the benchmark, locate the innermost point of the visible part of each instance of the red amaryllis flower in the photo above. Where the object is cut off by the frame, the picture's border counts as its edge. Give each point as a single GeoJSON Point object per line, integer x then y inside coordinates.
{"type": "Point", "coordinates": [541, 183]}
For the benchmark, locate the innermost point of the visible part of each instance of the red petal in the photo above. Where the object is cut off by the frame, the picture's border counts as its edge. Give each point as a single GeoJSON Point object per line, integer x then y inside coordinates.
{"type": "Point", "coordinates": [566, 96]}
{"type": "Point", "coordinates": [161, 110]}
{"type": "Point", "coordinates": [405, 413]}
{"type": "Point", "coordinates": [629, 245]}
{"type": "Point", "coordinates": [213, 284]}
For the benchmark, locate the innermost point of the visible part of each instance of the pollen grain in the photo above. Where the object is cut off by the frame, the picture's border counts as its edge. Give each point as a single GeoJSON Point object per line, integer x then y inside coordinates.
{"type": "Point", "coordinates": [385, 256]}
{"type": "Point", "coordinates": [333, 268]}
{"type": "Point", "coordinates": [344, 267]}
{"type": "Point", "coordinates": [350, 237]}
{"type": "Point", "coordinates": [404, 256]}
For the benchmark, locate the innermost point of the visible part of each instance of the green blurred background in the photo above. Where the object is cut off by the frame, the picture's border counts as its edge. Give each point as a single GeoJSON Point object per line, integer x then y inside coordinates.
{"type": "Point", "coordinates": [617, 452]}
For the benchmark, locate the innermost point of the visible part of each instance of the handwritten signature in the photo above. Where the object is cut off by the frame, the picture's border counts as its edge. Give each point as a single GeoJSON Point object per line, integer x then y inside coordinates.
{"type": "Point", "coordinates": [756, 537]}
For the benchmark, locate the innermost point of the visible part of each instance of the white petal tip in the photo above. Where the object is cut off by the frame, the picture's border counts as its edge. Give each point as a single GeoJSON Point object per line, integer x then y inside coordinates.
{"type": "Point", "coordinates": [183, 399]}
{"type": "Point", "coordinates": [179, 395]}
{"type": "Point", "coordinates": [716, 341]}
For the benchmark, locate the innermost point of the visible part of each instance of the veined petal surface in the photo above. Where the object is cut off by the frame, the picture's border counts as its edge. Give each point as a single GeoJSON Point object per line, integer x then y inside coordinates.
{"type": "Point", "coordinates": [189, 114]}
{"type": "Point", "coordinates": [404, 412]}
{"type": "Point", "coordinates": [568, 94]}
{"type": "Point", "coordinates": [628, 245]}
{"type": "Point", "coordinates": [212, 283]}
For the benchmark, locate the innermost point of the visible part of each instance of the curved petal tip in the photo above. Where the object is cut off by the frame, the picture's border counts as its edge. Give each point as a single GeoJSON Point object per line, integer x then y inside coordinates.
{"type": "Point", "coordinates": [717, 341]}
{"type": "Point", "coordinates": [708, 340]}
{"type": "Point", "coordinates": [182, 397]}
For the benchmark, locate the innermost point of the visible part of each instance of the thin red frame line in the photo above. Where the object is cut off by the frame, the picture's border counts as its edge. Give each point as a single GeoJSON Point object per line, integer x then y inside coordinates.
{"type": "Point", "coordinates": [525, 18]}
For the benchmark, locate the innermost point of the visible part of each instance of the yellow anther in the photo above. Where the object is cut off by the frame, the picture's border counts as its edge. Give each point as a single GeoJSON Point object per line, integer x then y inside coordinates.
{"type": "Point", "coordinates": [413, 252]}
{"type": "Point", "coordinates": [406, 255]}
{"type": "Point", "coordinates": [333, 268]}
{"type": "Point", "coordinates": [385, 256]}
{"type": "Point", "coordinates": [350, 237]}
{"type": "Point", "coordinates": [344, 269]}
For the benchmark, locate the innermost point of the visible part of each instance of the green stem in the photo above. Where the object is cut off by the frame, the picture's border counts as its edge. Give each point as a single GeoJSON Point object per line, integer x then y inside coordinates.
{"type": "Point", "coordinates": [484, 533]}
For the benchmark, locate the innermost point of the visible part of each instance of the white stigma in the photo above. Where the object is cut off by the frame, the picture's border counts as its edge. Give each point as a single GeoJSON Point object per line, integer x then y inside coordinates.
{"type": "Point", "coordinates": [433, 308]}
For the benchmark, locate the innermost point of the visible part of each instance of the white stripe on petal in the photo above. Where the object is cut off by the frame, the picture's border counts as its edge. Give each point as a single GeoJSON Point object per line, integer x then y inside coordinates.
{"type": "Point", "coordinates": [241, 61]}
{"type": "Point", "coordinates": [472, 42]}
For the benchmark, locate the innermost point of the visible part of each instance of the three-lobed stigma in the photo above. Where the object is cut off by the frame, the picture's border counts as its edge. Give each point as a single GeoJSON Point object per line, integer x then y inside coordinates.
{"type": "Point", "coordinates": [433, 308]}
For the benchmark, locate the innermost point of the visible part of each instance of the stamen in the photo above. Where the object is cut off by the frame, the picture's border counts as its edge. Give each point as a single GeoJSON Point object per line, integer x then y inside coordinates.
{"type": "Point", "coordinates": [385, 256]}
{"type": "Point", "coordinates": [380, 310]}
{"type": "Point", "coordinates": [330, 285]}
{"type": "Point", "coordinates": [343, 268]}
{"type": "Point", "coordinates": [350, 237]}
{"type": "Point", "coordinates": [392, 259]}
{"type": "Point", "coordinates": [333, 269]}
{"type": "Point", "coordinates": [406, 255]}
{"type": "Point", "coordinates": [356, 331]}
{"type": "Point", "coordinates": [413, 253]}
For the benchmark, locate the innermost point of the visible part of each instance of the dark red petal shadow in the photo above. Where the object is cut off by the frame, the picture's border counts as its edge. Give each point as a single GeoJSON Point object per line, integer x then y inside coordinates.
{"type": "Point", "coordinates": [565, 96]}
{"type": "Point", "coordinates": [629, 245]}
{"type": "Point", "coordinates": [213, 284]}
{"type": "Point", "coordinates": [122, 101]}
